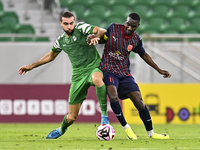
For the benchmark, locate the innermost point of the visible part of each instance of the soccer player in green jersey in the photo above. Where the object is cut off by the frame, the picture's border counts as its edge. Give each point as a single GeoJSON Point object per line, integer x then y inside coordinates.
{"type": "Point", "coordinates": [85, 61]}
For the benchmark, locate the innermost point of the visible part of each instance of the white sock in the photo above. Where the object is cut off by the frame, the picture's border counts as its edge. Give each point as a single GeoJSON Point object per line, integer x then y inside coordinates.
{"type": "Point", "coordinates": [150, 133]}
{"type": "Point", "coordinates": [126, 126]}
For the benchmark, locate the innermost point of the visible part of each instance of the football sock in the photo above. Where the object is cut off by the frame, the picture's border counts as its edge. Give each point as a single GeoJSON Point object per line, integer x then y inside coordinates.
{"type": "Point", "coordinates": [65, 124]}
{"type": "Point", "coordinates": [118, 112]}
{"type": "Point", "coordinates": [150, 133]}
{"type": "Point", "coordinates": [102, 98]}
{"type": "Point", "coordinates": [126, 126]}
{"type": "Point", "coordinates": [146, 118]}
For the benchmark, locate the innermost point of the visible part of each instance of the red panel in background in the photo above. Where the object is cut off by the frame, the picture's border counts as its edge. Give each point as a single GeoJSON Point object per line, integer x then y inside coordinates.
{"type": "Point", "coordinates": [45, 103]}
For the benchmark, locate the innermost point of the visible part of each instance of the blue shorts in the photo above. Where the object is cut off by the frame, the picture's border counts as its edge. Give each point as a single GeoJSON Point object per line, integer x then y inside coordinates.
{"type": "Point", "coordinates": [124, 84]}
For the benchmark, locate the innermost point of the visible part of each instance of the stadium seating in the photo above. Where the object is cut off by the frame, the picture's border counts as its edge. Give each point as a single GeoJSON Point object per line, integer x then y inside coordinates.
{"type": "Point", "coordinates": [4, 29]}
{"type": "Point", "coordinates": [94, 21]}
{"type": "Point", "coordinates": [10, 28]}
{"type": "Point", "coordinates": [41, 39]}
{"type": "Point", "coordinates": [126, 3]}
{"type": "Point", "coordinates": [147, 3]}
{"type": "Point", "coordinates": [175, 23]}
{"type": "Point", "coordinates": [193, 26]}
{"type": "Point", "coordinates": [195, 12]}
{"type": "Point", "coordinates": [180, 11]}
{"type": "Point", "coordinates": [97, 10]}
{"type": "Point", "coordinates": [119, 11]}
{"type": "Point", "coordinates": [156, 24]}
{"type": "Point", "coordinates": [157, 16]}
{"type": "Point", "coordinates": [79, 10]}
{"type": "Point", "coordinates": [64, 3]}
{"type": "Point", "coordinates": [115, 20]}
{"type": "Point", "coordinates": [160, 11]}
{"type": "Point", "coordinates": [142, 10]}
{"type": "Point", "coordinates": [106, 3]}
{"type": "Point", "coordinates": [24, 29]}
{"type": "Point", "coordinates": [168, 3]}
{"type": "Point", "coordinates": [1, 7]}
{"type": "Point", "coordinates": [189, 3]}
{"type": "Point", "coordinates": [9, 18]}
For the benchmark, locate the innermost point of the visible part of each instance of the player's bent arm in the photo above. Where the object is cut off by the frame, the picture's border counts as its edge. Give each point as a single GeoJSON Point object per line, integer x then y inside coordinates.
{"type": "Point", "coordinates": [45, 59]}
{"type": "Point", "coordinates": [150, 61]}
{"type": "Point", "coordinates": [99, 32]}
{"type": "Point", "coordinates": [98, 35]}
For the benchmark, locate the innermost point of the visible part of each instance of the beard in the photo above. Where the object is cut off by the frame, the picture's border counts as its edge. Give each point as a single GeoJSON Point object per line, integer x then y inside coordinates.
{"type": "Point", "coordinates": [68, 32]}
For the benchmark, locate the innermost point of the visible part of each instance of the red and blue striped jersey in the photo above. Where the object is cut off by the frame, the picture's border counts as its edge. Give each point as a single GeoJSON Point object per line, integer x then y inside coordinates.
{"type": "Point", "coordinates": [115, 58]}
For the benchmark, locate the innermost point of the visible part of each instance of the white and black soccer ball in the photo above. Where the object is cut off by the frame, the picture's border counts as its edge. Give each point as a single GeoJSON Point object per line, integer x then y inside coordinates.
{"type": "Point", "coordinates": [105, 132]}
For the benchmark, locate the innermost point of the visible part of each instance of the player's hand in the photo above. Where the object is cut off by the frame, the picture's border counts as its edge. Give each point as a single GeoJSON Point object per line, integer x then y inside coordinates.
{"type": "Point", "coordinates": [24, 69]}
{"type": "Point", "coordinates": [165, 74]}
{"type": "Point", "coordinates": [91, 39]}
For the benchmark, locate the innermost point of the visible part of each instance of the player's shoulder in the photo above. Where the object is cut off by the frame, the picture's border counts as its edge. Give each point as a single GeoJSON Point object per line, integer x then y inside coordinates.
{"type": "Point", "coordinates": [115, 25]}
{"type": "Point", "coordinates": [137, 35]}
{"type": "Point", "coordinates": [84, 28]}
{"type": "Point", "coordinates": [60, 36]}
{"type": "Point", "coordinates": [80, 25]}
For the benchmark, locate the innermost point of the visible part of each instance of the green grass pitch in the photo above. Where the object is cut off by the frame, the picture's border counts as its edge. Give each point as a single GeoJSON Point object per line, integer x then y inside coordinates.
{"type": "Point", "coordinates": [81, 136]}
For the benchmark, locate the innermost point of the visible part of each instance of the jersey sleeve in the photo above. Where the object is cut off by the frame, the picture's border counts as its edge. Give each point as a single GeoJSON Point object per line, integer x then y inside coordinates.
{"type": "Point", "coordinates": [109, 29]}
{"type": "Point", "coordinates": [56, 47]}
{"type": "Point", "coordinates": [85, 28]}
{"type": "Point", "coordinates": [139, 48]}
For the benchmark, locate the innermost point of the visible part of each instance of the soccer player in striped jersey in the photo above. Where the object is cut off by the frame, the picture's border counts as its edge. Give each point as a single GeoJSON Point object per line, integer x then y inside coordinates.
{"type": "Point", "coordinates": [120, 41]}
{"type": "Point", "coordinates": [85, 61]}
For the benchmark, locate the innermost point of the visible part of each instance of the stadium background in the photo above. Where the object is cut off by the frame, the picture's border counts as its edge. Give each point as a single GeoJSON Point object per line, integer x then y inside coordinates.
{"type": "Point", "coordinates": [170, 31]}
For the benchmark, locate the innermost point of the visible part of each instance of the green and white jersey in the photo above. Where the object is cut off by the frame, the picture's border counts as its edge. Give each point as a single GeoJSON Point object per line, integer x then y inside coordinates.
{"type": "Point", "coordinates": [83, 57]}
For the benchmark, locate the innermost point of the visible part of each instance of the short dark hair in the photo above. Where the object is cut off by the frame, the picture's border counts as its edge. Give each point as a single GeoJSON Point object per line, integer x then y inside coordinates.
{"type": "Point", "coordinates": [66, 14]}
{"type": "Point", "coordinates": [134, 16]}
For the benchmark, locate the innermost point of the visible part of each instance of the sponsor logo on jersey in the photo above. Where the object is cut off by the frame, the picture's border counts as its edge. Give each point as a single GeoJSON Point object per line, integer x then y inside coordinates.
{"type": "Point", "coordinates": [117, 52]}
{"type": "Point", "coordinates": [130, 47]}
{"type": "Point", "coordinates": [116, 56]}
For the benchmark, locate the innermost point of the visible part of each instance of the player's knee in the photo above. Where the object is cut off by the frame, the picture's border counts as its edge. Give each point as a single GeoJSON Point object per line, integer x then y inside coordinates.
{"type": "Point", "coordinates": [141, 106]}
{"type": "Point", "coordinates": [97, 81]}
{"type": "Point", "coordinates": [113, 97]}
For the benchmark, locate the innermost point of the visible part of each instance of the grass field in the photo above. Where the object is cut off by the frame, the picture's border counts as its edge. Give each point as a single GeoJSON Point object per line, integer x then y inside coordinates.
{"type": "Point", "coordinates": [82, 136]}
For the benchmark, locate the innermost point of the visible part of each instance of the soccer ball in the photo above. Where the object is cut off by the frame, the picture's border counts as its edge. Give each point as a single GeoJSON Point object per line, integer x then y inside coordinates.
{"type": "Point", "coordinates": [105, 132]}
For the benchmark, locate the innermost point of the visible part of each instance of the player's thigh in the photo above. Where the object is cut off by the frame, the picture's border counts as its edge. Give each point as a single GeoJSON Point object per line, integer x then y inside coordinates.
{"type": "Point", "coordinates": [112, 83]}
{"type": "Point", "coordinates": [126, 86]}
{"type": "Point", "coordinates": [78, 91]}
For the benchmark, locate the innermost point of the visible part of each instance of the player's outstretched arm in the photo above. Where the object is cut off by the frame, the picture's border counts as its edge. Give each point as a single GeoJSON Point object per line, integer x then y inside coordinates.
{"type": "Point", "coordinates": [97, 36]}
{"type": "Point", "coordinates": [47, 58]}
{"type": "Point", "coordinates": [150, 61]}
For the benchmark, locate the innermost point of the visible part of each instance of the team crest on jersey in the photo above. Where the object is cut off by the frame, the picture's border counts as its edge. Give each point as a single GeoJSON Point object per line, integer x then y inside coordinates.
{"type": "Point", "coordinates": [74, 38]}
{"type": "Point", "coordinates": [117, 52]}
{"type": "Point", "coordinates": [130, 47]}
